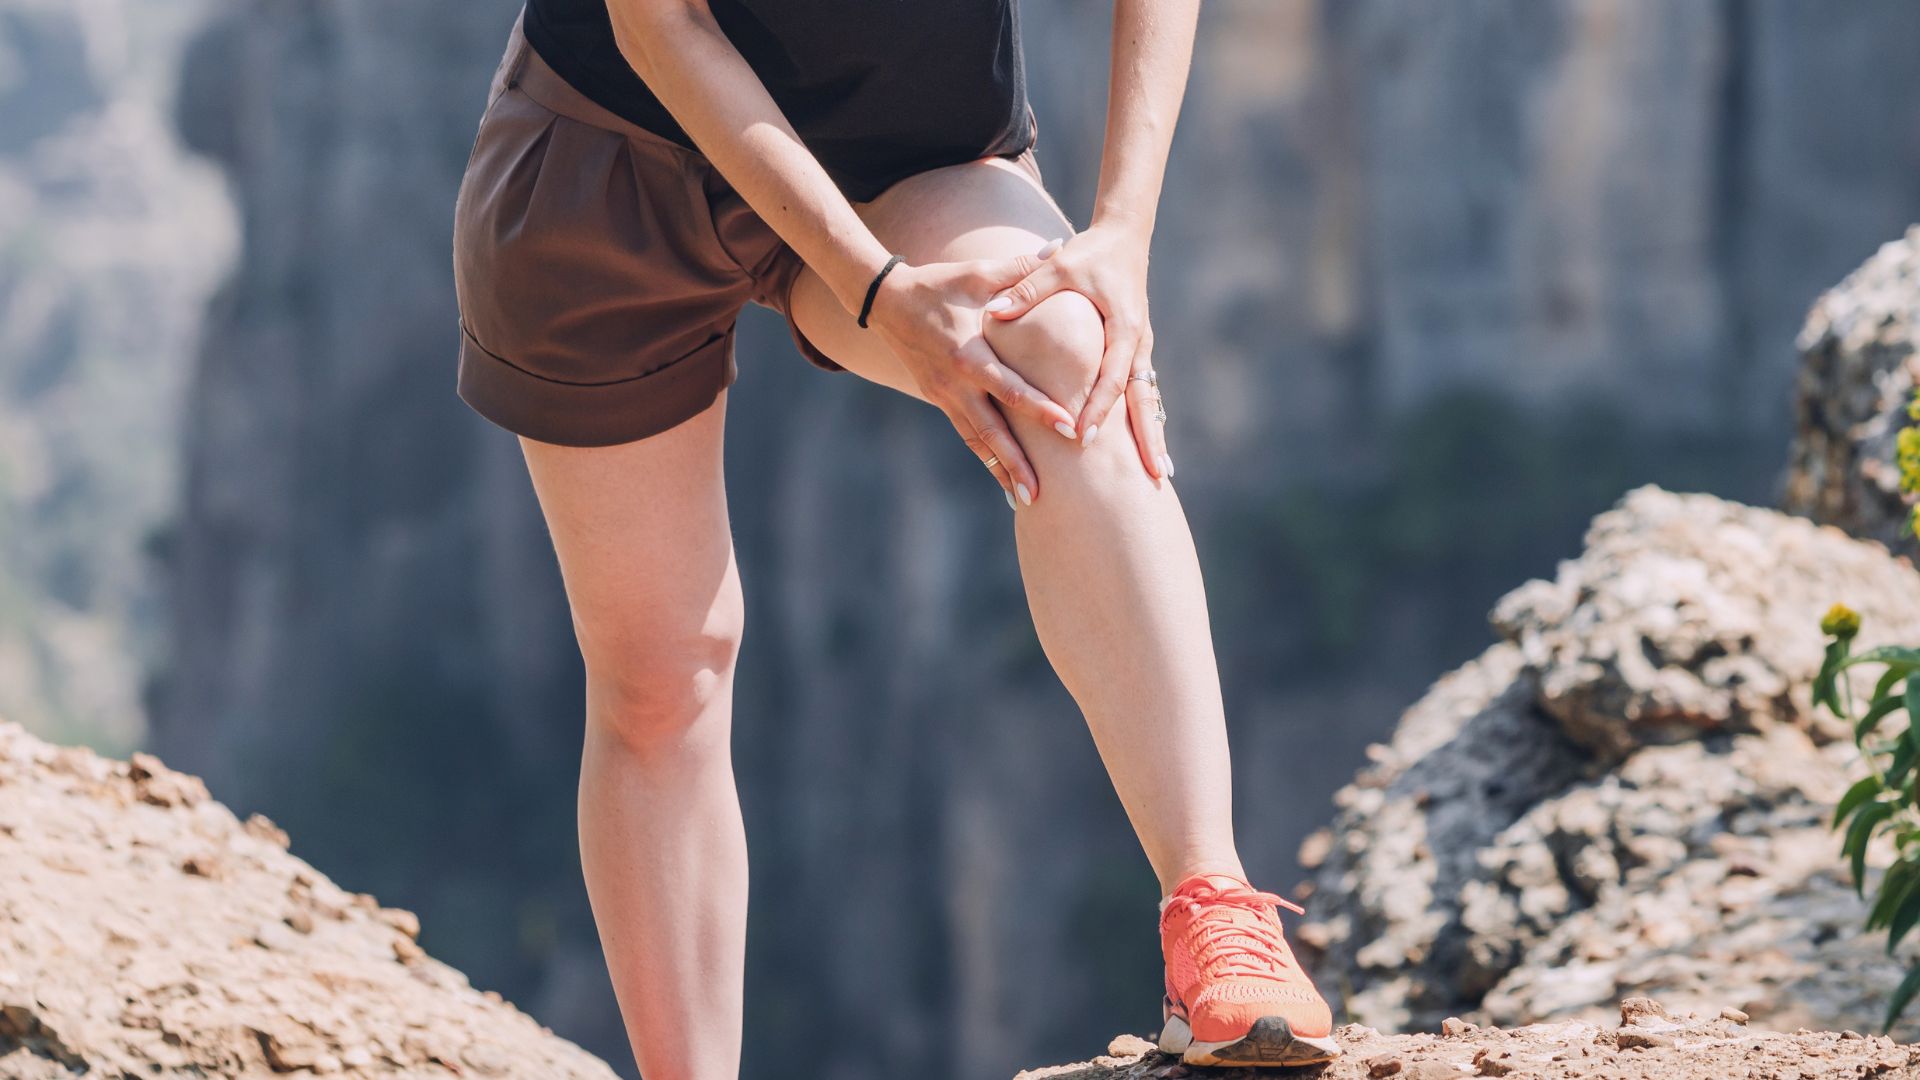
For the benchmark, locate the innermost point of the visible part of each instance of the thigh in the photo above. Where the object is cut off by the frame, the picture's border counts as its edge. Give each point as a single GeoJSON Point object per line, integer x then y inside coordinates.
{"type": "Point", "coordinates": [643, 540]}
{"type": "Point", "coordinates": [980, 210]}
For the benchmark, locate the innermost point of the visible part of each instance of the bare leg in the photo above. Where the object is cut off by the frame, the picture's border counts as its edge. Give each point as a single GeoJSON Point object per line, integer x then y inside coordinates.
{"type": "Point", "coordinates": [641, 532]}
{"type": "Point", "coordinates": [1110, 570]}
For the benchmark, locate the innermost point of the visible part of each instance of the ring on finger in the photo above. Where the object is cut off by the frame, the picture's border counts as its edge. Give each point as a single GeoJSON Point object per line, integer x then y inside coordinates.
{"type": "Point", "coordinates": [1149, 376]}
{"type": "Point", "coordinates": [992, 462]}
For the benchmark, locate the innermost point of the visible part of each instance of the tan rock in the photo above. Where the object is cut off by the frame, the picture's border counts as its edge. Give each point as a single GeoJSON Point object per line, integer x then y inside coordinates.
{"type": "Point", "coordinates": [160, 936]}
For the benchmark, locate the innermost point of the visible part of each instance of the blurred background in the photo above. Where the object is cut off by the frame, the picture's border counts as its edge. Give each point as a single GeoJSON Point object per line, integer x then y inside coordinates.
{"type": "Point", "coordinates": [1433, 284]}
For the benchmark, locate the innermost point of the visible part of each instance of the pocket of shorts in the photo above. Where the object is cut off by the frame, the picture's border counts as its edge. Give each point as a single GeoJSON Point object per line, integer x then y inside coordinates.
{"type": "Point", "coordinates": [581, 256]}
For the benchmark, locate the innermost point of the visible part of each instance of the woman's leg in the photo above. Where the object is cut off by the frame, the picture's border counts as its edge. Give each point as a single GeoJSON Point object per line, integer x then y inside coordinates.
{"type": "Point", "coordinates": [1109, 565]}
{"type": "Point", "coordinates": [641, 533]}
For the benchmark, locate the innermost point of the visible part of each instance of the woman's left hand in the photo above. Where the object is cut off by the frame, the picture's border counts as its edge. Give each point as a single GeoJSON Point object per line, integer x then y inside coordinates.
{"type": "Point", "coordinates": [1108, 265]}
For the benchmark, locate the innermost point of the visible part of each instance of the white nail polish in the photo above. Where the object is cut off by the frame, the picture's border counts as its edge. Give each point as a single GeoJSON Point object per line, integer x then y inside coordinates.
{"type": "Point", "coordinates": [1169, 458]}
{"type": "Point", "coordinates": [1092, 430]}
{"type": "Point", "coordinates": [1011, 505]}
{"type": "Point", "coordinates": [1047, 249]}
{"type": "Point", "coordinates": [1026, 497]}
{"type": "Point", "coordinates": [999, 303]}
{"type": "Point", "coordinates": [1065, 429]}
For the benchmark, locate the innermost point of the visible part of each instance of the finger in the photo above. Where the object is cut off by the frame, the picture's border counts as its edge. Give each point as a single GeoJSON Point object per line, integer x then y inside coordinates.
{"type": "Point", "coordinates": [996, 466]}
{"type": "Point", "coordinates": [1149, 435]}
{"type": "Point", "coordinates": [991, 428]}
{"type": "Point", "coordinates": [1107, 388]}
{"type": "Point", "coordinates": [985, 371]}
{"type": "Point", "coordinates": [998, 274]}
{"type": "Point", "coordinates": [1018, 299]}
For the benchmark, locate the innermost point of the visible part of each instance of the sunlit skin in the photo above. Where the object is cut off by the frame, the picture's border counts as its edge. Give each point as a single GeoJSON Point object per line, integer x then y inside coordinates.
{"type": "Point", "coordinates": [1112, 580]}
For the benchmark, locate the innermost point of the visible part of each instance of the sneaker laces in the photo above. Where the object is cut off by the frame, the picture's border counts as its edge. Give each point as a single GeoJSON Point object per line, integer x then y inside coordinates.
{"type": "Point", "coordinates": [1224, 945]}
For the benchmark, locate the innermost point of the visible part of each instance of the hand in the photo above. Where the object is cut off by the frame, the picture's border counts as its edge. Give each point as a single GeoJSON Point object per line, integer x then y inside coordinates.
{"type": "Point", "coordinates": [1108, 265]}
{"type": "Point", "coordinates": [932, 318]}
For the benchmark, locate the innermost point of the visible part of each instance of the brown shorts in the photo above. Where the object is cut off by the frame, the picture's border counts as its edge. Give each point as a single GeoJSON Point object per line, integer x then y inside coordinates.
{"type": "Point", "coordinates": [600, 268]}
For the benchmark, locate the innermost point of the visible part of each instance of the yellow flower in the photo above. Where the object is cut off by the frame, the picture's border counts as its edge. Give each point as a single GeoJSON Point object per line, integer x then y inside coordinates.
{"type": "Point", "coordinates": [1840, 622]}
{"type": "Point", "coordinates": [1913, 407]}
{"type": "Point", "coordinates": [1907, 452]}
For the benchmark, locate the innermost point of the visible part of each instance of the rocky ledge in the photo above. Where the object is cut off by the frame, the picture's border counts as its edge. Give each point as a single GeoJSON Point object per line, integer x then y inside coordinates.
{"type": "Point", "coordinates": [145, 931]}
{"type": "Point", "coordinates": [1628, 796]}
{"type": "Point", "coordinates": [1648, 1044]}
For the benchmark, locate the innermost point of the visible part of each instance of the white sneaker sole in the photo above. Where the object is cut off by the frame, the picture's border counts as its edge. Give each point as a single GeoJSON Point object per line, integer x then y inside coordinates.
{"type": "Point", "coordinates": [1269, 1042]}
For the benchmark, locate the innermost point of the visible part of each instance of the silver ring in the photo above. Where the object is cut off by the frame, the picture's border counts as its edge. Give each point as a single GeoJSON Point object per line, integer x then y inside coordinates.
{"type": "Point", "coordinates": [992, 462]}
{"type": "Point", "coordinates": [1149, 376]}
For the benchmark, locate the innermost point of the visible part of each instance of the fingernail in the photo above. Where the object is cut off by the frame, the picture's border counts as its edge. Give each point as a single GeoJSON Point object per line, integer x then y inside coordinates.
{"type": "Point", "coordinates": [1010, 502]}
{"type": "Point", "coordinates": [1092, 430]}
{"type": "Point", "coordinates": [999, 303]}
{"type": "Point", "coordinates": [1169, 458]}
{"type": "Point", "coordinates": [1026, 497]}
{"type": "Point", "coordinates": [1065, 429]}
{"type": "Point", "coordinates": [1047, 249]}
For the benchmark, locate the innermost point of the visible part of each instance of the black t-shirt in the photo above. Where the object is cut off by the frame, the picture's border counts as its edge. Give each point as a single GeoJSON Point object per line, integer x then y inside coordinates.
{"type": "Point", "coordinates": [878, 89]}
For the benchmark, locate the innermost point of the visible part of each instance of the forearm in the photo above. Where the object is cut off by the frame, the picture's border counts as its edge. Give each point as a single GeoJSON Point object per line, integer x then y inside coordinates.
{"type": "Point", "coordinates": [1152, 51]}
{"type": "Point", "coordinates": [695, 71]}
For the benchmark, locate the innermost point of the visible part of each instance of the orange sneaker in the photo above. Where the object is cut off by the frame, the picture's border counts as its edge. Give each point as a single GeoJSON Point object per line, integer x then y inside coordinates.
{"type": "Point", "coordinates": [1235, 994]}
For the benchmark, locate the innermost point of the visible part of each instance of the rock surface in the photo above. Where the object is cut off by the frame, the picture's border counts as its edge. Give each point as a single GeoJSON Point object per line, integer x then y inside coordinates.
{"type": "Point", "coordinates": [1627, 797]}
{"type": "Point", "coordinates": [1861, 350]}
{"type": "Point", "coordinates": [145, 931]}
{"type": "Point", "coordinates": [1648, 1044]}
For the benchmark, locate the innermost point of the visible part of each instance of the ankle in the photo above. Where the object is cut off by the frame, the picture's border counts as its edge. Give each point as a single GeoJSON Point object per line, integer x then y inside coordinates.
{"type": "Point", "coordinates": [1217, 864]}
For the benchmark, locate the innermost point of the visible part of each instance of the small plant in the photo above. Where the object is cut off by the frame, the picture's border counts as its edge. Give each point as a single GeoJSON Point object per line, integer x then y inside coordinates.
{"type": "Point", "coordinates": [1887, 801]}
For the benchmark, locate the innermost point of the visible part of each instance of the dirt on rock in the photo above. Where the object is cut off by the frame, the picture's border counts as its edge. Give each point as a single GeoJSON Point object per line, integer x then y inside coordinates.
{"type": "Point", "coordinates": [1648, 1044]}
{"type": "Point", "coordinates": [147, 932]}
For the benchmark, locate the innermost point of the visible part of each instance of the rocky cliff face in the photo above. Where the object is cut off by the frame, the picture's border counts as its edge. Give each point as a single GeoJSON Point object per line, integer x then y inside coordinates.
{"type": "Point", "coordinates": [1374, 204]}
{"type": "Point", "coordinates": [111, 239]}
{"type": "Point", "coordinates": [147, 931]}
{"type": "Point", "coordinates": [1628, 796]}
{"type": "Point", "coordinates": [1862, 364]}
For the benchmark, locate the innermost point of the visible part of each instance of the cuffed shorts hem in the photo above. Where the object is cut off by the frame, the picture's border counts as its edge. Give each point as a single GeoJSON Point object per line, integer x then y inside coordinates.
{"type": "Point", "coordinates": [593, 414]}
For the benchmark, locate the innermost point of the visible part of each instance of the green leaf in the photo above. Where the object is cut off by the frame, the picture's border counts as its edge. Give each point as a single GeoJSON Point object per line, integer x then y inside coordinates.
{"type": "Point", "coordinates": [1907, 660]}
{"type": "Point", "coordinates": [1913, 709]}
{"type": "Point", "coordinates": [1825, 683]}
{"type": "Point", "coordinates": [1903, 756]}
{"type": "Point", "coordinates": [1904, 916]}
{"type": "Point", "coordinates": [1897, 1004]}
{"type": "Point", "coordinates": [1895, 885]}
{"type": "Point", "coordinates": [1887, 679]}
{"type": "Point", "coordinates": [1881, 709]}
{"type": "Point", "coordinates": [1859, 793]}
{"type": "Point", "coordinates": [1855, 845]}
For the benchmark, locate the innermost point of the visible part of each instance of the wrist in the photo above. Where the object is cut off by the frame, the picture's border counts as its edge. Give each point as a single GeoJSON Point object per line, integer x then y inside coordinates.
{"type": "Point", "coordinates": [894, 265]}
{"type": "Point", "coordinates": [855, 277]}
{"type": "Point", "coordinates": [1123, 220]}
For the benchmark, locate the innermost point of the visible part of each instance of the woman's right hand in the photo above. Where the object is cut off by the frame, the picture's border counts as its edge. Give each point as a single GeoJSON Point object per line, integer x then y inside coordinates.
{"type": "Point", "coordinates": [933, 318]}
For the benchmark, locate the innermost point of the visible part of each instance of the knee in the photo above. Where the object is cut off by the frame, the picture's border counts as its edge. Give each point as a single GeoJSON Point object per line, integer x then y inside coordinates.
{"type": "Point", "coordinates": [655, 684]}
{"type": "Point", "coordinates": [1057, 346]}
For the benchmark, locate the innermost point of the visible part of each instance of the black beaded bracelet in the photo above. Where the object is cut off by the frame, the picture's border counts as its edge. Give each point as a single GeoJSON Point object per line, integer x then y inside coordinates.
{"type": "Point", "coordinates": [873, 290]}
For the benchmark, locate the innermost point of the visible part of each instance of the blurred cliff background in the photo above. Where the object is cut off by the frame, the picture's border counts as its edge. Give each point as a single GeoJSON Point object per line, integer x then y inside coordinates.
{"type": "Point", "coordinates": [1433, 285]}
